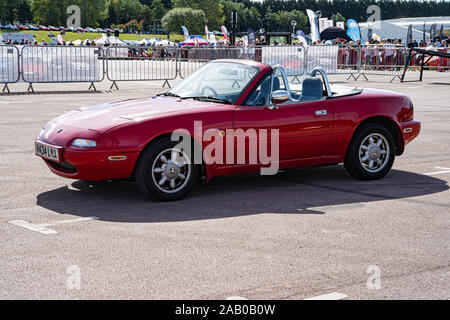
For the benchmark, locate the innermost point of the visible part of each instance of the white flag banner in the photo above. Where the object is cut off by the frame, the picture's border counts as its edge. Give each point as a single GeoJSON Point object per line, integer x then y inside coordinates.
{"type": "Point", "coordinates": [315, 34]}
{"type": "Point", "coordinates": [323, 24]}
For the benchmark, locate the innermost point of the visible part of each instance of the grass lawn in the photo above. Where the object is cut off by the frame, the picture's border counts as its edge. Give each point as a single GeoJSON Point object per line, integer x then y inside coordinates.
{"type": "Point", "coordinates": [72, 36]}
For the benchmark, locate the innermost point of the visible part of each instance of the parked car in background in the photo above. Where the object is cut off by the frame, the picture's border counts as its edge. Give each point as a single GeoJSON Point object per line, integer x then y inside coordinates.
{"type": "Point", "coordinates": [10, 27]}
{"type": "Point", "coordinates": [34, 69]}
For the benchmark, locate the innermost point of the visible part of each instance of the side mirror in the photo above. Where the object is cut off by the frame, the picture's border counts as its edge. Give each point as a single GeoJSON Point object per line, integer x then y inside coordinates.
{"type": "Point", "coordinates": [280, 96]}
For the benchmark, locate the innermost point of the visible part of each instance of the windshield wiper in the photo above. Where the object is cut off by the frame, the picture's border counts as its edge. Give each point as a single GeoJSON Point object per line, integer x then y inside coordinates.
{"type": "Point", "coordinates": [168, 94]}
{"type": "Point", "coordinates": [209, 98]}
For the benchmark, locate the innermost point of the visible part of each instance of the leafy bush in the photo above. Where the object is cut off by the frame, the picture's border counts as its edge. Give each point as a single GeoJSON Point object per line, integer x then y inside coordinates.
{"type": "Point", "coordinates": [192, 19]}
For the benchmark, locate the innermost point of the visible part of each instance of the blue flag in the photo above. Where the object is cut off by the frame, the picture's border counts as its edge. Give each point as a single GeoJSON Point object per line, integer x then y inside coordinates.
{"type": "Point", "coordinates": [301, 37]}
{"type": "Point", "coordinates": [185, 32]}
{"type": "Point", "coordinates": [353, 30]}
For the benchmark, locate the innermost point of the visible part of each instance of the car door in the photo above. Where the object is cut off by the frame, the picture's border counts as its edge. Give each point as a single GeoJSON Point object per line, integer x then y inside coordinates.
{"type": "Point", "coordinates": [254, 115]}
{"type": "Point", "coordinates": [306, 128]}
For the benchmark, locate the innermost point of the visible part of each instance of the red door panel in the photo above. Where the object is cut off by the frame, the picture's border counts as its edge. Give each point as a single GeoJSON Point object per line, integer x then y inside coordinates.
{"type": "Point", "coordinates": [306, 129]}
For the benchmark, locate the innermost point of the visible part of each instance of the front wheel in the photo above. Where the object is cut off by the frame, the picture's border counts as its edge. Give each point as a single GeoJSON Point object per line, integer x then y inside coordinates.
{"type": "Point", "coordinates": [371, 153]}
{"type": "Point", "coordinates": [165, 172]}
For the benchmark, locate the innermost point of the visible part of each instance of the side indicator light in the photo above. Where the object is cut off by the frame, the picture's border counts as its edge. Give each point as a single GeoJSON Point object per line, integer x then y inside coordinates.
{"type": "Point", "coordinates": [117, 158]}
{"type": "Point", "coordinates": [407, 130]}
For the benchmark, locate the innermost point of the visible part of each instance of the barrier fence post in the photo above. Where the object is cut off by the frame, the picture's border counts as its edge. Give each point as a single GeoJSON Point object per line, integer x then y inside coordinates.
{"type": "Point", "coordinates": [9, 66]}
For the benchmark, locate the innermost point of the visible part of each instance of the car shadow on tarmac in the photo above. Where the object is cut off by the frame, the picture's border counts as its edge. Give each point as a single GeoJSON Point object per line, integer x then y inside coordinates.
{"type": "Point", "coordinates": [296, 191]}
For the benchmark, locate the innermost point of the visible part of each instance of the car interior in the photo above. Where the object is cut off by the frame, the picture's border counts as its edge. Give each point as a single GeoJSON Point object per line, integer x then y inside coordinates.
{"type": "Point", "coordinates": [311, 90]}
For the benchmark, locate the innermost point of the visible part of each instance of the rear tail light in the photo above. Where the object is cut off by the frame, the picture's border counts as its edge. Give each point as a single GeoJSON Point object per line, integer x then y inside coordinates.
{"type": "Point", "coordinates": [411, 111]}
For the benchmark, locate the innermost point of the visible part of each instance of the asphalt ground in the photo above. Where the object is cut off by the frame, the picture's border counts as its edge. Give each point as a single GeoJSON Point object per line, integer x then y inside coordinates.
{"type": "Point", "coordinates": [302, 233]}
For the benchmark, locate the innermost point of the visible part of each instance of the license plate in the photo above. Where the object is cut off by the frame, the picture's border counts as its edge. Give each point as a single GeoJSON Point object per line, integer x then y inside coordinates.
{"type": "Point", "coordinates": [47, 151]}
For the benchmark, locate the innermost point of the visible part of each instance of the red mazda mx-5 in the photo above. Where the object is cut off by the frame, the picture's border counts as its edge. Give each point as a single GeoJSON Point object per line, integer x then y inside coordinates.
{"type": "Point", "coordinates": [307, 125]}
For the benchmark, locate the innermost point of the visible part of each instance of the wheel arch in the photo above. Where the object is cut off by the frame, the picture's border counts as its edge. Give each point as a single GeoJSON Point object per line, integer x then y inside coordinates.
{"type": "Point", "coordinates": [390, 125]}
{"type": "Point", "coordinates": [168, 135]}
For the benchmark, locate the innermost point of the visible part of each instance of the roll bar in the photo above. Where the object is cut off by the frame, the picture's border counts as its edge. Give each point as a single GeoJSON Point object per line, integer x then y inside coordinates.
{"type": "Point", "coordinates": [285, 79]}
{"type": "Point", "coordinates": [315, 71]}
{"type": "Point", "coordinates": [324, 79]}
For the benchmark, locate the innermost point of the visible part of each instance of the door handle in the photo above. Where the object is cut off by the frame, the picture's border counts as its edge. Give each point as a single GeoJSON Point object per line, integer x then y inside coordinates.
{"type": "Point", "coordinates": [273, 107]}
{"type": "Point", "coordinates": [321, 112]}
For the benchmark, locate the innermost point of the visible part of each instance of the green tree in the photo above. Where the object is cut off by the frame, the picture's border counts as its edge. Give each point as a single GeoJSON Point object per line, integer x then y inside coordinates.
{"type": "Point", "coordinates": [213, 10]}
{"type": "Point", "coordinates": [247, 17]}
{"type": "Point", "coordinates": [54, 12]}
{"type": "Point", "coordinates": [192, 19]}
{"type": "Point", "coordinates": [17, 10]}
{"type": "Point", "coordinates": [50, 12]}
{"type": "Point", "coordinates": [158, 9]}
{"type": "Point", "coordinates": [338, 18]}
{"type": "Point", "coordinates": [93, 12]}
{"type": "Point", "coordinates": [123, 11]}
{"type": "Point", "coordinates": [281, 20]}
{"type": "Point", "coordinates": [147, 17]}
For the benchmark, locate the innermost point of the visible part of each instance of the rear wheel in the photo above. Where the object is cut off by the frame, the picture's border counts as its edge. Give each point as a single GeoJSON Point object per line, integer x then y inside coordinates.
{"type": "Point", "coordinates": [165, 172]}
{"type": "Point", "coordinates": [371, 153]}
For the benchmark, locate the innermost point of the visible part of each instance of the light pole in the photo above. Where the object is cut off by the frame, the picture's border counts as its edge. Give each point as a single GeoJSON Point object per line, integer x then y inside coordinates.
{"type": "Point", "coordinates": [293, 24]}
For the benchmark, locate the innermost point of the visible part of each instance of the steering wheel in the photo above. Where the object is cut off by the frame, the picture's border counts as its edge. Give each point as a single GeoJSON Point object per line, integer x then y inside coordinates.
{"type": "Point", "coordinates": [211, 89]}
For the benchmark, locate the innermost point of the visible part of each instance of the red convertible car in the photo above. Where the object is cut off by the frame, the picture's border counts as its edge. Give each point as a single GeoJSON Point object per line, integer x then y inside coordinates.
{"type": "Point", "coordinates": [308, 125]}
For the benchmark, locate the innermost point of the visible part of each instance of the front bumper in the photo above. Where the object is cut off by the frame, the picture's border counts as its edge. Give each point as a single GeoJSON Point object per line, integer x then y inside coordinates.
{"type": "Point", "coordinates": [93, 165]}
{"type": "Point", "coordinates": [410, 130]}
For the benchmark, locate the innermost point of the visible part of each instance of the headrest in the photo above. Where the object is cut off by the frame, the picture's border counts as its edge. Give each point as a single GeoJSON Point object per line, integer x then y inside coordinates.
{"type": "Point", "coordinates": [276, 84]}
{"type": "Point", "coordinates": [312, 88]}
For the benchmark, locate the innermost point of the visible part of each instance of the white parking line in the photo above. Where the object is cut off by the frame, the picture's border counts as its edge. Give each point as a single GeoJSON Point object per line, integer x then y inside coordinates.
{"type": "Point", "coordinates": [443, 170]}
{"type": "Point", "coordinates": [43, 227]}
{"type": "Point", "coordinates": [329, 296]}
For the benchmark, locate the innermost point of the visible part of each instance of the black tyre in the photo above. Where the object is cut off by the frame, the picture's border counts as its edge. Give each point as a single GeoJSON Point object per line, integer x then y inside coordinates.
{"type": "Point", "coordinates": [371, 153]}
{"type": "Point", "coordinates": [166, 173]}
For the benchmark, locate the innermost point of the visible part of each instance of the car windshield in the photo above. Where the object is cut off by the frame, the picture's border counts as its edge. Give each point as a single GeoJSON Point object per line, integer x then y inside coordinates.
{"type": "Point", "coordinates": [221, 82]}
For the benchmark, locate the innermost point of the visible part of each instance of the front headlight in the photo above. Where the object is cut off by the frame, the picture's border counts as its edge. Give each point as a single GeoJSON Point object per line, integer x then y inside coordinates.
{"type": "Point", "coordinates": [84, 143]}
{"type": "Point", "coordinates": [41, 133]}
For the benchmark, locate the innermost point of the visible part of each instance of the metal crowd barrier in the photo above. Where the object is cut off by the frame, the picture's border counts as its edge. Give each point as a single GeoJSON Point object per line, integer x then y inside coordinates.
{"type": "Point", "coordinates": [324, 56]}
{"type": "Point", "coordinates": [58, 64]}
{"type": "Point", "coordinates": [65, 64]}
{"type": "Point", "coordinates": [382, 60]}
{"type": "Point", "coordinates": [191, 58]}
{"type": "Point", "coordinates": [9, 66]}
{"type": "Point", "coordinates": [291, 58]}
{"type": "Point", "coordinates": [141, 64]}
{"type": "Point", "coordinates": [349, 61]}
